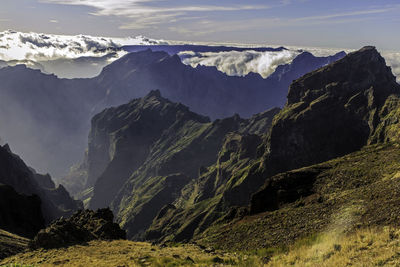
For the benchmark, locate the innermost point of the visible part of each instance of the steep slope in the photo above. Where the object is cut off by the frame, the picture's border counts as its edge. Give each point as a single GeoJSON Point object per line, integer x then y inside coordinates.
{"type": "Point", "coordinates": [184, 149]}
{"type": "Point", "coordinates": [356, 191]}
{"type": "Point", "coordinates": [209, 197]}
{"type": "Point", "coordinates": [220, 186]}
{"type": "Point", "coordinates": [54, 109]}
{"type": "Point", "coordinates": [54, 202]}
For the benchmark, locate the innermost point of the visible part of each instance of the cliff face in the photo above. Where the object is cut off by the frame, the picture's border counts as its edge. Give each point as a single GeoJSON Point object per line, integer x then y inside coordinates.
{"type": "Point", "coordinates": [55, 202]}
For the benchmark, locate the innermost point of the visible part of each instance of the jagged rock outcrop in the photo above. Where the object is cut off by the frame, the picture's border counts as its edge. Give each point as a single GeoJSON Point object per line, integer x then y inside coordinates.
{"type": "Point", "coordinates": [20, 214]}
{"type": "Point", "coordinates": [55, 202]}
{"type": "Point", "coordinates": [330, 112]}
{"type": "Point", "coordinates": [83, 226]}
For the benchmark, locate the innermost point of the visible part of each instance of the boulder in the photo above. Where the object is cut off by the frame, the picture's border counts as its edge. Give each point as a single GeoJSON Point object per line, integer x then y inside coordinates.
{"type": "Point", "coordinates": [81, 227]}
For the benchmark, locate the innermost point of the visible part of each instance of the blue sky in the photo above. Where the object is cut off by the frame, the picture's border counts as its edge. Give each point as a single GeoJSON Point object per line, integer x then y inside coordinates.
{"type": "Point", "coordinates": [339, 23]}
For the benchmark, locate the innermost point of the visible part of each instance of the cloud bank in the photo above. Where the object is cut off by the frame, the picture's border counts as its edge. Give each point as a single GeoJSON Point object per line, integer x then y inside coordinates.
{"type": "Point", "coordinates": [236, 63]}
{"type": "Point", "coordinates": [66, 56]}
{"type": "Point", "coordinates": [393, 60]}
{"type": "Point", "coordinates": [36, 46]}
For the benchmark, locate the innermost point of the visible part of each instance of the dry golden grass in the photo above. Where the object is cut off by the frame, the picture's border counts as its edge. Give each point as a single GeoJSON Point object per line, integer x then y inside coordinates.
{"type": "Point", "coordinates": [372, 247]}
{"type": "Point", "coordinates": [127, 253]}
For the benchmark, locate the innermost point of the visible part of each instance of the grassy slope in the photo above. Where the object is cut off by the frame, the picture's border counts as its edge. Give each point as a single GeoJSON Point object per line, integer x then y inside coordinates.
{"type": "Point", "coordinates": [365, 247]}
{"type": "Point", "coordinates": [359, 190]}
{"type": "Point", "coordinates": [127, 253]}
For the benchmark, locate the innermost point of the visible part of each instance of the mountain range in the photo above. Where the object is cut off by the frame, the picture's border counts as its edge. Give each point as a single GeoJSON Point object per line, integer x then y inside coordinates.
{"type": "Point", "coordinates": [43, 109]}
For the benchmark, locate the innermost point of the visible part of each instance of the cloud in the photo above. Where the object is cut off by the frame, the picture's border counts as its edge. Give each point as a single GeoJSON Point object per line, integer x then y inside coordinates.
{"type": "Point", "coordinates": [143, 14]}
{"type": "Point", "coordinates": [236, 63]}
{"type": "Point", "coordinates": [37, 46]}
{"type": "Point", "coordinates": [204, 27]}
{"type": "Point", "coordinates": [78, 56]}
{"type": "Point", "coordinates": [346, 14]}
{"type": "Point", "coordinates": [393, 60]}
{"type": "Point", "coordinates": [53, 21]}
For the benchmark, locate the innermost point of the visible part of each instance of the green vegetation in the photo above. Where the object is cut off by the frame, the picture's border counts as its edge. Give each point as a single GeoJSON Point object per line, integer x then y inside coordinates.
{"type": "Point", "coordinates": [351, 192]}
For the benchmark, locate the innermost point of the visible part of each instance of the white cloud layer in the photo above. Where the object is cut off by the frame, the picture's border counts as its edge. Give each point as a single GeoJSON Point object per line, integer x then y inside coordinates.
{"type": "Point", "coordinates": [236, 63]}
{"type": "Point", "coordinates": [37, 46]}
{"type": "Point", "coordinates": [393, 60]}
{"type": "Point", "coordinates": [80, 56]}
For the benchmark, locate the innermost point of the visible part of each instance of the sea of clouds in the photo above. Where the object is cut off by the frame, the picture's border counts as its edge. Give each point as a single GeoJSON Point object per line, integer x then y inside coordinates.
{"type": "Point", "coordinates": [84, 56]}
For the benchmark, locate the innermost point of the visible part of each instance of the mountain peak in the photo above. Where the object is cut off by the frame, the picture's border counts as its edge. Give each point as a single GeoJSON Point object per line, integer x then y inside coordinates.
{"type": "Point", "coordinates": [154, 93]}
{"type": "Point", "coordinates": [358, 70]}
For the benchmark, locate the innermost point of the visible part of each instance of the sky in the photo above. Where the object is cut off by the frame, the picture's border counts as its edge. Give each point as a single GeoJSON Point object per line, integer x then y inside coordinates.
{"type": "Point", "coordinates": [319, 23]}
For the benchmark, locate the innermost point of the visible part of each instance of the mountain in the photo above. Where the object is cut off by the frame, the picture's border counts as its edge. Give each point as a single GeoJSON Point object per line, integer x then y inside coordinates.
{"type": "Point", "coordinates": [21, 214]}
{"type": "Point", "coordinates": [43, 109]}
{"type": "Point", "coordinates": [142, 154]}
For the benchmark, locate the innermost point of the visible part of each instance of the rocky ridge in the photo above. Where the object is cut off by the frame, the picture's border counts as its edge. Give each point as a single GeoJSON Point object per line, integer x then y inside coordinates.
{"type": "Point", "coordinates": [83, 226]}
